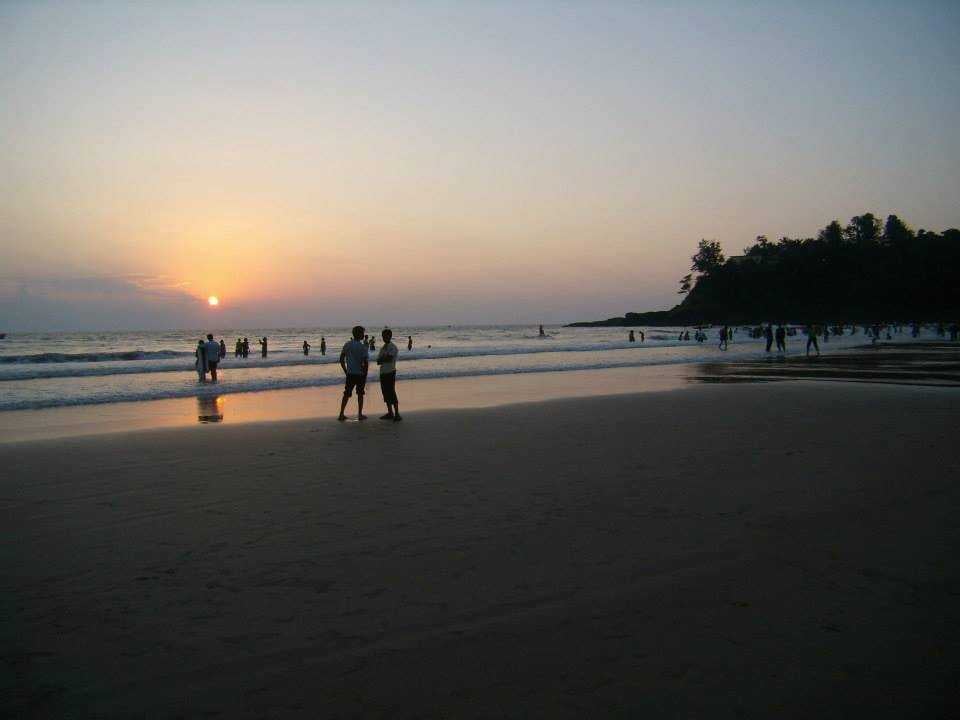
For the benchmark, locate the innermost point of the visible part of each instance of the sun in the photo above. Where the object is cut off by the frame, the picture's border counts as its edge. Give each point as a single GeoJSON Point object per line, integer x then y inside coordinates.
{"type": "Point", "coordinates": [213, 301]}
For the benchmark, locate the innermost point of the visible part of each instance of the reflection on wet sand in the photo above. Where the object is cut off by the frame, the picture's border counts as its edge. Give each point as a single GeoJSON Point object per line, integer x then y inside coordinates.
{"type": "Point", "coordinates": [210, 409]}
{"type": "Point", "coordinates": [934, 364]}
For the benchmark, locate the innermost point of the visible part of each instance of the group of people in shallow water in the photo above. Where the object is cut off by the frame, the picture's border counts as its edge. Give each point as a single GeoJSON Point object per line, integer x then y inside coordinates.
{"type": "Point", "coordinates": [209, 353]}
{"type": "Point", "coordinates": [207, 360]}
{"type": "Point", "coordinates": [354, 361]}
{"type": "Point", "coordinates": [241, 348]}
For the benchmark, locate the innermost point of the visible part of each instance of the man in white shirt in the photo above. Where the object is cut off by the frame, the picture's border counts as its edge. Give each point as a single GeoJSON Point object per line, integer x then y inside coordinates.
{"type": "Point", "coordinates": [213, 355]}
{"type": "Point", "coordinates": [387, 360]}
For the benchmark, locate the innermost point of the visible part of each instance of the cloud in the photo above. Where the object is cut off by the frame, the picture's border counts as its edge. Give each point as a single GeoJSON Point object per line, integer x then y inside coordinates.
{"type": "Point", "coordinates": [73, 302]}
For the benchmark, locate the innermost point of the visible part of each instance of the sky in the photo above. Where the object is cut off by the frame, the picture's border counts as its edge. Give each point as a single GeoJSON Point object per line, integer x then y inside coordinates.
{"type": "Point", "coordinates": [320, 163]}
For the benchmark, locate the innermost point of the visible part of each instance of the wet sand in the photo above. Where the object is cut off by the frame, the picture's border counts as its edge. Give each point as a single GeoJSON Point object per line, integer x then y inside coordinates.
{"type": "Point", "coordinates": [728, 550]}
{"type": "Point", "coordinates": [305, 403]}
{"type": "Point", "coordinates": [931, 364]}
{"type": "Point", "coordinates": [918, 364]}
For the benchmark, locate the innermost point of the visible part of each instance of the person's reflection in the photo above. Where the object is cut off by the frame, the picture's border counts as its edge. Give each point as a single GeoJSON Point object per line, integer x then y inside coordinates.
{"type": "Point", "coordinates": [210, 409]}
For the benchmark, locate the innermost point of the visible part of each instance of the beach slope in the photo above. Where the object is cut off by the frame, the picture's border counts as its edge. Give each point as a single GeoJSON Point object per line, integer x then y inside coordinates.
{"type": "Point", "coordinates": [724, 551]}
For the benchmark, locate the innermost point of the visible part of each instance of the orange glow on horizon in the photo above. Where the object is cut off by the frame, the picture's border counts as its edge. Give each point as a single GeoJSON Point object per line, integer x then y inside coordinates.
{"type": "Point", "coordinates": [213, 301]}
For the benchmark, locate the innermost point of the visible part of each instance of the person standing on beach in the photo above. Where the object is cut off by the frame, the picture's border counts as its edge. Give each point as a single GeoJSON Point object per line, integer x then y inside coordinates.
{"type": "Point", "coordinates": [323, 346]}
{"type": "Point", "coordinates": [212, 348]}
{"type": "Point", "coordinates": [542, 334]}
{"type": "Point", "coordinates": [223, 349]}
{"type": "Point", "coordinates": [238, 348]}
{"type": "Point", "coordinates": [306, 348]}
{"type": "Point", "coordinates": [724, 333]}
{"type": "Point", "coordinates": [768, 334]}
{"type": "Point", "coordinates": [812, 339]}
{"type": "Point", "coordinates": [643, 337]}
{"type": "Point", "coordinates": [354, 361]}
{"type": "Point", "coordinates": [263, 346]}
{"type": "Point", "coordinates": [631, 338]}
{"type": "Point", "coordinates": [409, 342]}
{"type": "Point", "coordinates": [201, 363]}
{"type": "Point", "coordinates": [387, 360]}
{"type": "Point", "coordinates": [781, 339]}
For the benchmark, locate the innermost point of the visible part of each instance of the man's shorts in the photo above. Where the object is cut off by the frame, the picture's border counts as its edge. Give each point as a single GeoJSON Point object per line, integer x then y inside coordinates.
{"type": "Point", "coordinates": [388, 385]}
{"type": "Point", "coordinates": [354, 381]}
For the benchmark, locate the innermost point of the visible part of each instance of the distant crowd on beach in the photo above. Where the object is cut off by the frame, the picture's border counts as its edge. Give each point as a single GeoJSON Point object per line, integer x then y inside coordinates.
{"type": "Point", "coordinates": [355, 355]}
{"type": "Point", "coordinates": [813, 331]}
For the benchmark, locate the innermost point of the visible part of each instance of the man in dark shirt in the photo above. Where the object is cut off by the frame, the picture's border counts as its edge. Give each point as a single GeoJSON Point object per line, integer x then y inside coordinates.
{"type": "Point", "coordinates": [354, 360]}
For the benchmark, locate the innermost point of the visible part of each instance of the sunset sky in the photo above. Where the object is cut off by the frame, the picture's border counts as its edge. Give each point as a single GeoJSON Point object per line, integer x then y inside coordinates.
{"type": "Point", "coordinates": [441, 162]}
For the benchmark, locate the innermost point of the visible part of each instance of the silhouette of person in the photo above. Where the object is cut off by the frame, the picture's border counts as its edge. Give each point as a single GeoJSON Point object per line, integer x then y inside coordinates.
{"type": "Point", "coordinates": [201, 363]}
{"type": "Point", "coordinates": [238, 348]}
{"type": "Point", "coordinates": [223, 349]}
{"type": "Point", "coordinates": [643, 338]}
{"type": "Point", "coordinates": [542, 334]}
{"type": "Point", "coordinates": [387, 360]}
{"type": "Point", "coordinates": [354, 361]}
{"type": "Point", "coordinates": [323, 346]}
{"type": "Point", "coordinates": [768, 334]}
{"type": "Point", "coordinates": [632, 338]}
{"type": "Point", "coordinates": [686, 335]}
{"type": "Point", "coordinates": [212, 348]}
{"type": "Point", "coordinates": [812, 339]}
{"type": "Point", "coordinates": [246, 348]}
{"type": "Point", "coordinates": [724, 331]}
{"type": "Point", "coordinates": [781, 336]}
{"type": "Point", "coordinates": [263, 346]}
{"type": "Point", "coordinates": [409, 342]}
{"type": "Point", "coordinates": [306, 348]}
{"type": "Point", "coordinates": [373, 345]}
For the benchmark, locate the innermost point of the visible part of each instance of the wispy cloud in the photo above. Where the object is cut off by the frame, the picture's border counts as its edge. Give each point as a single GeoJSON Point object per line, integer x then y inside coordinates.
{"type": "Point", "coordinates": [96, 301]}
{"type": "Point", "coordinates": [66, 286]}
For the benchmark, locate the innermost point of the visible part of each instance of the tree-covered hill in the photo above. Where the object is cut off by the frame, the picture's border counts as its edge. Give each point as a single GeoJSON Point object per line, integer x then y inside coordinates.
{"type": "Point", "coordinates": [865, 272]}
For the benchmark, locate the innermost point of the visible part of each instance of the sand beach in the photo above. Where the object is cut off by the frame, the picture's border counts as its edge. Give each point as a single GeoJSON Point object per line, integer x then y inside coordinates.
{"type": "Point", "coordinates": [728, 549]}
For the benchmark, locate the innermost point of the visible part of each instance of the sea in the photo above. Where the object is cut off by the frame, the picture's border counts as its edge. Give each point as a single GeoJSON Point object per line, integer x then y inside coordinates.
{"type": "Point", "coordinates": [43, 370]}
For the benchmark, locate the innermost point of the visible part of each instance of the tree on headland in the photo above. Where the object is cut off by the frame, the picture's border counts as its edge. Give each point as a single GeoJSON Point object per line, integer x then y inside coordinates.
{"type": "Point", "coordinates": [867, 271]}
{"type": "Point", "coordinates": [832, 234]}
{"type": "Point", "coordinates": [863, 229]}
{"type": "Point", "coordinates": [896, 232]}
{"type": "Point", "coordinates": [709, 257]}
